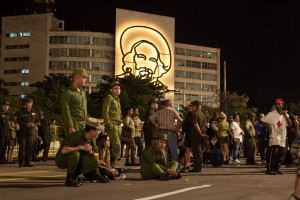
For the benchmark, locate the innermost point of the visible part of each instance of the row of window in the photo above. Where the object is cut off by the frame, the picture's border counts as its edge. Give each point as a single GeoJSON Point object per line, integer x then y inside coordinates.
{"type": "Point", "coordinates": [16, 84]}
{"type": "Point", "coordinates": [195, 86]}
{"type": "Point", "coordinates": [82, 53]}
{"type": "Point", "coordinates": [16, 59]}
{"type": "Point", "coordinates": [17, 71]}
{"type": "Point", "coordinates": [82, 40]}
{"type": "Point", "coordinates": [195, 75]}
{"type": "Point", "coordinates": [22, 46]}
{"type": "Point", "coordinates": [196, 53]}
{"type": "Point", "coordinates": [192, 97]}
{"type": "Point", "coordinates": [18, 34]}
{"type": "Point", "coordinates": [195, 64]}
{"type": "Point", "coordinates": [81, 64]}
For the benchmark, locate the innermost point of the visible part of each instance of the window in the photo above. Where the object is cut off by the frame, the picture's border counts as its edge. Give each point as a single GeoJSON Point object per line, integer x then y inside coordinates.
{"type": "Point", "coordinates": [24, 46]}
{"type": "Point", "coordinates": [206, 87]}
{"type": "Point", "coordinates": [58, 65]}
{"type": "Point", "coordinates": [179, 73]}
{"type": "Point", "coordinates": [206, 65]}
{"type": "Point", "coordinates": [178, 96]}
{"type": "Point", "coordinates": [58, 52]}
{"type": "Point", "coordinates": [16, 59]}
{"type": "Point", "coordinates": [179, 62]}
{"type": "Point", "coordinates": [180, 51]}
{"type": "Point", "coordinates": [103, 66]}
{"type": "Point", "coordinates": [103, 54]}
{"type": "Point", "coordinates": [193, 86]}
{"type": "Point", "coordinates": [79, 52]}
{"type": "Point", "coordinates": [209, 77]}
{"type": "Point", "coordinates": [194, 64]}
{"type": "Point", "coordinates": [179, 85]}
{"type": "Point", "coordinates": [103, 41]}
{"type": "Point", "coordinates": [194, 75]}
{"type": "Point", "coordinates": [24, 71]}
{"type": "Point", "coordinates": [19, 34]}
{"type": "Point", "coordinates": [208, 54]}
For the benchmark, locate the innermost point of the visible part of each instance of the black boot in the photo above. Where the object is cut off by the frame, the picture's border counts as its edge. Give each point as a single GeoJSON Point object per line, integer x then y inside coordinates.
{"type": "Point", "coordinates": [71, 181]}
{"type": "Point", "coordinates": [95, 177]}
{"type": "Point", "coordinates": [76, 174]}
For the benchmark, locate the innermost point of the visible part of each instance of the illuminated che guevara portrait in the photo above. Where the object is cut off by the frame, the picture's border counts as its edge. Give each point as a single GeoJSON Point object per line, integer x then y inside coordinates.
{"type": "Point", "coordinates": [145, 52]}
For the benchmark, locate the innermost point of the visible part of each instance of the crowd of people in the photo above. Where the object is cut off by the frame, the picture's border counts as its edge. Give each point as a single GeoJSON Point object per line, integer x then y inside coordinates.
{"type": "Point", "coordinates": [164, 145]}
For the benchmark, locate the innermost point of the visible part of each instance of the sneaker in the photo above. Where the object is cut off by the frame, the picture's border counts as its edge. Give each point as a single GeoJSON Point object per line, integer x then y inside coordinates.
{"type": "Point", "coordinates": [294, 197]}
{"type": "Point", "coordinates": [236, 161]}
{"type": "Point", "coordinates": [121, 177]}
{"type": "Point", "coordinates": [230, 158]}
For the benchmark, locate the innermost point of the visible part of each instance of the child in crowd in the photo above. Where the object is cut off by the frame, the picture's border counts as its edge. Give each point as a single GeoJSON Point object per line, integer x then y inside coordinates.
{"type": "Point", "coordinates": [105, 169]}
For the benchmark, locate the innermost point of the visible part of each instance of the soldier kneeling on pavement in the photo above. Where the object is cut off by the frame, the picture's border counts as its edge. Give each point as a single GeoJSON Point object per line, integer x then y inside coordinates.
{"type": "Point", "coordinates": [154, 161]}
{"type": "Point", "coordinates": [79, 154]}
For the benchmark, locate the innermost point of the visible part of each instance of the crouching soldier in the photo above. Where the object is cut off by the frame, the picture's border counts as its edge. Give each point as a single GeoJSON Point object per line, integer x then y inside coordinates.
{"type": "Point", "coordinates": [79, 154]}
{"type": "Point", "coordinates": [154, 161]}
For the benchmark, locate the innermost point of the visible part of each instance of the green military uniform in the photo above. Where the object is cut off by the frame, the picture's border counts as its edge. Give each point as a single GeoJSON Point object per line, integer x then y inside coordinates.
{"type": "Point", "coordinates": [250, 142]}
{"type": "Point", "coordinates": [26, 136]}
{"type": "Point", "coordinates": [4, 137]}
{"type": "Point", "coordinates": [74, 109]}
{"type": "Point", "coordinates": [111, 112]}
{"type": "Point", "coordinates": [77, 159]}
{"type": "Point", "coordinates": [153, 165]}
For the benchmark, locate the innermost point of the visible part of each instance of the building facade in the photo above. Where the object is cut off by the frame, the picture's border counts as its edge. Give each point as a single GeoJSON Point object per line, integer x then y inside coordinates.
{"type": "Point", "coordinates": [36, 45]}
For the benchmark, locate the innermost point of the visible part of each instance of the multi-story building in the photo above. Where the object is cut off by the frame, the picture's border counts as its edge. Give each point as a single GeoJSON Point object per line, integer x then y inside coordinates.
{"type": "Point", "coordinates": [36, 45]}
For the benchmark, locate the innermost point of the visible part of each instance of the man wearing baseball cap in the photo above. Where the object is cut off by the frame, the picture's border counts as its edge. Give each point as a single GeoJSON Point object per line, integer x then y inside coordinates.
{"type": "Point", "coordinates": [276, 121]}
{"type": "Point", "coordinates": [74, 103]}
{"type": "Point", "coordinates": [78, 154]}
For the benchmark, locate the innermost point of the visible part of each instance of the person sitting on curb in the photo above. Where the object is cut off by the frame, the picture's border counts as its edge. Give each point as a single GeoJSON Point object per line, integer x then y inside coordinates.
{"type": "Point", "coordinates": [79, 154]}
{"type": "Point", "coordinates": [154, 161]}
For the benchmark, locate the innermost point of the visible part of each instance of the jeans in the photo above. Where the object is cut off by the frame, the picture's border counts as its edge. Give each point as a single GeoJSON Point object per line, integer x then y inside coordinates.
{"type": "Point", "coordinates": [172, 148]}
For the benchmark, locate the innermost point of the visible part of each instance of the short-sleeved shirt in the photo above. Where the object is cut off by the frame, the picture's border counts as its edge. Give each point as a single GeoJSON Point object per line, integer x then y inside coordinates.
{"type": "Point", "coordinates": [278, 125]}
{"type": "Point", "coordinates": [166, 118]}
{"type": "Point", "coordinates": [138, 126]}
{"type": "Point", "coordinates": [249, 128]}
{"type": "Point", "coordinates": [236, 129]}
{"type": "Point", "coordinates": [76, 139]}
{"type": "Point", "coordinates": [129, 121]}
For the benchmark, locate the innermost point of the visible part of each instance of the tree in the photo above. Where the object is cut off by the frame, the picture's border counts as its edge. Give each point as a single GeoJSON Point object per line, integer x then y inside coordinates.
{"type": "Point", "coordinates": [47, 96]}
{"type": "Point", "coordinates": [135, 91]}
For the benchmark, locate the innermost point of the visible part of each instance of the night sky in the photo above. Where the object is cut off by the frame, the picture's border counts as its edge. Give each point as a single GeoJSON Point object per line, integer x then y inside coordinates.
{"type": "Point", "coordinates": [260, 41]}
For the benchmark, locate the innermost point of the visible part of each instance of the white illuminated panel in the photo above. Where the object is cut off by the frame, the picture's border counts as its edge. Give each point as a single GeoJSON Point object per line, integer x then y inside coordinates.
{"type": "Point", "coordinates": [145, 46]}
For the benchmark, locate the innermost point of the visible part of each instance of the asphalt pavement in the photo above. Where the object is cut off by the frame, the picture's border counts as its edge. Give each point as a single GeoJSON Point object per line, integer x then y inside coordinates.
{"type": "Point", "coordinates": [233, 181]}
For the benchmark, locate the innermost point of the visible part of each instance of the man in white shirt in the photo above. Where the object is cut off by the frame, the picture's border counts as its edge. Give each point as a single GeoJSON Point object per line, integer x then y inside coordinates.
{"type": "Point", "coordinates": [276, 122]}
{"type": "Point", "coordinates": [237, 136]}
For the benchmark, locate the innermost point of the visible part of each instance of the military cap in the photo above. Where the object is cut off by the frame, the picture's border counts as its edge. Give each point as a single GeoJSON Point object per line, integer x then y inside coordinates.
{"type": "Point", "coordinates": [114, 83]}
{"type": "Point", "coordinates": [80, 72]}
{"type": "Point", "coordinates": [160, 136]}
{"type": "Point", "coordinates": [94, 122]}
{"type": "Point", "coordinates": [5, 103]}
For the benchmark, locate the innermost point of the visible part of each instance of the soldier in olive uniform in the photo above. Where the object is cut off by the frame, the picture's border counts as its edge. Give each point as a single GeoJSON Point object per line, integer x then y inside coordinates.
{"type": "Point", "coordinates": [79, 154]}
{"type": "Point", "coordinates": [74, 103]}
{"type": "Point", "coordinates": [45, 134]}
{"type": "Point", "coordinates": [148, 127]}
{"type": "Point", "coordinates": [4, 128]}
{"type": "Point", "coordinates": [111, 112]}
{"type": "Point", "coordinates": [250, 139]}
{"type": "Point", "coordinates": [154, 162]}
{"type": "Point", "coordinates": [28, 121]}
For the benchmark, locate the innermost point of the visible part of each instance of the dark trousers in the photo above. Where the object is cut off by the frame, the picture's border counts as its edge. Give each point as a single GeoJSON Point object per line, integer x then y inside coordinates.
{"type": "Point", "coordinates": [25, 149]}
{"type": "Point", "coordinates": [197, 149]}
{"type": "Point", "coordinates": [140, 145]}
{"type": "Point", "coordinates": [45, 146]}
{"type": "Point", "coordinates": [3, 147]}
{"type": "Point", "coordinates": [275, 157]}
{"type": "Point", "coordinates": [263, 145]}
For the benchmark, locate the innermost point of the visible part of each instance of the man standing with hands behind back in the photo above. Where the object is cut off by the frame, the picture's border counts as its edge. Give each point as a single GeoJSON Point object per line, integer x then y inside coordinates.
{"type": "Point", "coordinates": [111, 112]}
{"type": "Point", "coordinates": [74, 103]}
